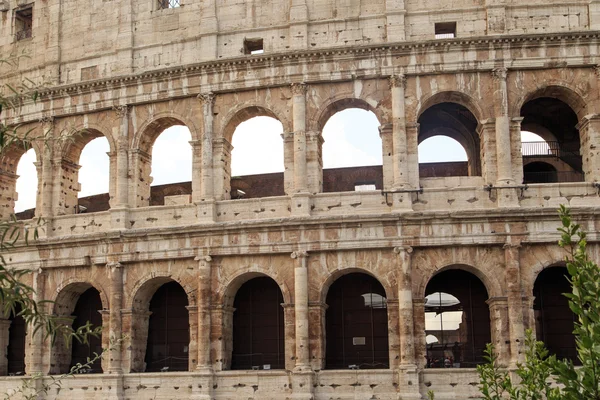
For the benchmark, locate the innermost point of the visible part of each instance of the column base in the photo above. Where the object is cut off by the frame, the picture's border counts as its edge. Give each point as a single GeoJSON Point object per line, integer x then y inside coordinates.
{"type": "Point", "coordinates": [202, 388]}
{"type": "Point", "coordinates": [301, 204]}
{"type": "Point", "coordinates": [303, 384]}
{"type": "Point", "coordinates": [401, 201]}
{"type": "Point", "coordinates": [206, 211]}
{"type": "Point", "coordinates": [507, 195]}
{"type": "Point", "coordinates": [119, 218]}
{"type": "Point", "coordinates": [112, 386]}
{"type": "Point", "coordinates": [408, 382]}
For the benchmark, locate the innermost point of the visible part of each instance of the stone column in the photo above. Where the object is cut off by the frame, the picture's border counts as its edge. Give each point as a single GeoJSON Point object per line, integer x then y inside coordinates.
{"type": "Point", "coordinates": [4, 327]}
{"type": "Point", "coordinates": [316, 315]}
{"type": "Point", "coordinates": [193, 332]}
{"type": "Point", "coordinates": [314, 161]}
{"type": "Point", "coordinates": [288, 162]}
{"type": "Point", "coordinates": [487, 134]}
{"type": "Point", "coordinates": [419, 329]}
{"type": "Point", "coordinates": [299, 126]}
{"type": "Point", "coordinates": [400, 150]}
{"type": "Point", "coordinates": [115, 323]}
{"type": "Point", "coordinates": [506, 197]}
{"type": "Point", "coordinates": [203, 299]}
{"type": "Point", "coordinates": [8, 194]}
{"type": "Point", "coordinates": [499, 328]}
{"type": "Point", "coordinates": [517, 154]}
{"type": "Point", "coordinates": [35, 341]}
{"type": "Point", "coordinates": [222, 168]}
{"type": "Point", "coordinates": [289, 331]}
{"type": "Point", "coordinates": [412, 144]}
{"type": "Point", "coordinates": [515, 302]}
{"type": "Point", "coordinates": [196, 170]}
{"type": "Point", "coordinates": [301, 310]}
{"type": "Point", "coordinates": [385, 133]}
{"type": "Point", "coordinates": [405, 306]}
{"type": "Point", "coordinates": [206, 185]}
{"type": "Point", "coordinates": [122, 157]}
{"type": "Point", "coordinates": [47, 175]}
{"type": "Point", "coordinates": [589, 134]}
{"type": "Point", "coordinates": [141, 165]}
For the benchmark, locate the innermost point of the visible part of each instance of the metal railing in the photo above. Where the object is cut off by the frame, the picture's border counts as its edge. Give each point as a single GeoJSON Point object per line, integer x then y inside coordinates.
{"type": "Point", "coordinates": [529, 149]}
{"type": "Point", "coordinates": [163, 4]}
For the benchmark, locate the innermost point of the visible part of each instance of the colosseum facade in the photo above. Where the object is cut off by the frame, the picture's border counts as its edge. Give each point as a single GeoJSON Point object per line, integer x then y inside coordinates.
{"type": "Point", "coordinates": [305, 288]}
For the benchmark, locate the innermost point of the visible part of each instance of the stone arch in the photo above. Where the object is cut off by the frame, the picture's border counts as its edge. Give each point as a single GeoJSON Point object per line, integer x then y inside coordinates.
{"type": "Point", "coordinates": [556, 90]}
{"type": "Point", "coordinates": [340, 102]}
{"type": "Point", "coordinates": [82, 135]}
{"type": "Point", "coordinates": [138, 305]}
{"type": "Point", "coordinates": [64, 303]}
{"type": "Point", "coordinates": [244, 112]}
{"type": "Point", "coordinates": [491, 284]}
{"type": "Point", "coordinates": [449, 96]}
{"type": "Point", "coordinates": [228, 290]}
{"type": "Point", "coordinates": [145, 287]}
{"type": "Point", "coordinates": [335, 275]}
{"type": "Point", "coordinates": [150, 130]}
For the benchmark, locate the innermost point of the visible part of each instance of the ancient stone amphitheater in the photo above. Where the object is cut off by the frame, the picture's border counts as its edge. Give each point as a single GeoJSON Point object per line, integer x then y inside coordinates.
{"type": "Point", "coordinates": [305, 288]}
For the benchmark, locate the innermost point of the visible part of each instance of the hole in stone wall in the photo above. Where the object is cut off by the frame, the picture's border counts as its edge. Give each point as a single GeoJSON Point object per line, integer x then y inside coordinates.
{"type": "Point", "coordinates": [445, 30]}
{"type": "Point", "coordinates": [253, 46]}
{"type": "Point", "coordinates": [23, 23]}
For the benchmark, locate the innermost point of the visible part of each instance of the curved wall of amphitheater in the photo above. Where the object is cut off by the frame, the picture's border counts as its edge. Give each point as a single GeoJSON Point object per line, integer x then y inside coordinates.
{"type": "Point", "coordinates": [127, 70]}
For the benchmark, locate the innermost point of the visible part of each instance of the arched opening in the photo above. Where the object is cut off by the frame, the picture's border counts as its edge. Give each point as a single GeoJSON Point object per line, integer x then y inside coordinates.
{"type": "Point", "coordinates": [75, 305]}
{"type": "Point", "coordinates": [15, 352]}
{"type": "Point", "coordinates": [258, 326]}
{"type": "Point", "coordinates": [441, 156]}
{"type": "Point", "coordinates": [257, 160]}
{"type": "Point", "coordinates": [97, 172]}
{"type": "Point", "coordinates": [352, 151]}
{"type": "Point", "coordinates": [550, 137]}
{"type": "Point", "coordinates": [94, 175]}
{"type": "Point", "coordinates": [457, 315]}
{"type": "Point", "coordinates": [168, 330]}
{"type": "Point", "coordinates": [171, 167]}
{"type": "Point", "coordinates": [356, 324]}
{"type": "Point", "coordinates": [452, 121]}
{"type": "Point", "coordinates": [554, 320]}
{"type": "Point", "coordinates": [86, 310]}
{"type": "Point", "coordinates": [26, 186]}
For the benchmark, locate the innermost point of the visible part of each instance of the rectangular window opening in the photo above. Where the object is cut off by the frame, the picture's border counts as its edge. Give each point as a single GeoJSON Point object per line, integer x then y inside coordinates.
{"type": "Point", "coordinates": [165, 4]}
{"type": "Point", "coordinates": [445, 30]}
{"type": "Point", "coordinates": [23, 22]}
{"type": "Point", "coordinates": [364, 186]}
{"type": "Point", "coordinates": [253, 46]}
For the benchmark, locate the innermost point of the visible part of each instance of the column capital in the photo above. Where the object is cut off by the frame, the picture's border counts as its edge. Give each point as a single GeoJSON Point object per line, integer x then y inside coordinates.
{"type": "Point", "coordinates": [500, 73]}
{"type": "Point", "coordinates": [403, 249]}
{"type": "Point", "coordinates": [299, 254]}
{"type": "Point", "coordinates": [121, 110]}
{"type": "Point", "coordinates": [508, 246]}
{"type": "Point", "coordinates": [46, 120]}
{"type": "Point", "coordinates": [385, 129]}
{"type": "Point", "coordinates": [299, 88]}
{"type": "Point", "coordinates": [207, 98]}
{"type": "Point", "coordinates": [398, 80]}
{"type": "Point", "coordinates": [114, 265]}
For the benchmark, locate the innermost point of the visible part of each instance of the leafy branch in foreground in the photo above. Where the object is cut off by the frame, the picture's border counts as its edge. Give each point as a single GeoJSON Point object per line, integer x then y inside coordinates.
{"type": "Point", "coordinates": [535, 375]}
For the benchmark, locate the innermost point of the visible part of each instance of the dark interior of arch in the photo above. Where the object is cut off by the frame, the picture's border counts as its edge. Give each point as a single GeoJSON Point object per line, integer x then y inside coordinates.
{"type": "Point", "coordinates": [539, 172]}
{"type": "Point", "coordinates": [258, 326]}
{"type": "Point", "coordinates": [87, 310]}
{"type": "Point", "coordinates": [16, 343]}
{"type": "Point", "coordinates": [168, 330]}
{"type": "Point", "coordinates": [463, 347]}
{"type": "Point", "coordinates": [457, 122]}
{"type": "Point", "coordinates": [356, 324]}
{"type": "Point", "coordinates": [558, 118]}
{"type": "Point", "coordinates": [554, 320]}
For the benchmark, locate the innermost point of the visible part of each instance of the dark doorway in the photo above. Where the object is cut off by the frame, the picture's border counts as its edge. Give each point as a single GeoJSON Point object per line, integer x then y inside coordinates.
{"type": "Point", "coordinates": [87, 309]}
{"type": "Point", "coordinates": [356, 324]}
{"type": "Point", "coordinates": [457, 320]}
{"type": "Point", "coordinates": [16, 343]}
{"type": "Point", "coordinates": [168, 330]}
{"type": "Point", "coordinates": [553, 317]}
{"type": "Point", "coordinates": [258, 336]}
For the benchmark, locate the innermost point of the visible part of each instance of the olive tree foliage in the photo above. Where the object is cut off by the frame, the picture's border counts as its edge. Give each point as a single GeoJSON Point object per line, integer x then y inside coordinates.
{"type": "Point", "coordinates": [16, 297]}
{"type": "Point", "coordinates": [536, 374]}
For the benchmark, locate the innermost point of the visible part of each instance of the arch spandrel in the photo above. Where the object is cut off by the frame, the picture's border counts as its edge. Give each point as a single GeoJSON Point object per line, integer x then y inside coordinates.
{"type": "Point", "coordinates": [535, 259]}
{"type": "Point", "coordinates": [486, 264]}
{"type": "Point", "coordinates": [138, 295]}
{"type": "Point", "coordinates": [323, 101]}
{"type": "Point", "coordinates": [564, 91]}
{"type": "Point", "coordinates": [68, 292]}
{"type": "Point", "coordinates": [149, 121]}
{"type": "Point", "coordinates": [233, 109]}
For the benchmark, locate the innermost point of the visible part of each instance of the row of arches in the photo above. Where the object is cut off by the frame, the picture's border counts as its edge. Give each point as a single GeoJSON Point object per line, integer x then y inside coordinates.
{"type": "Point", "coordinates": [356, 320]}
{"type": "Point", "coordinates": [449, 126]}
